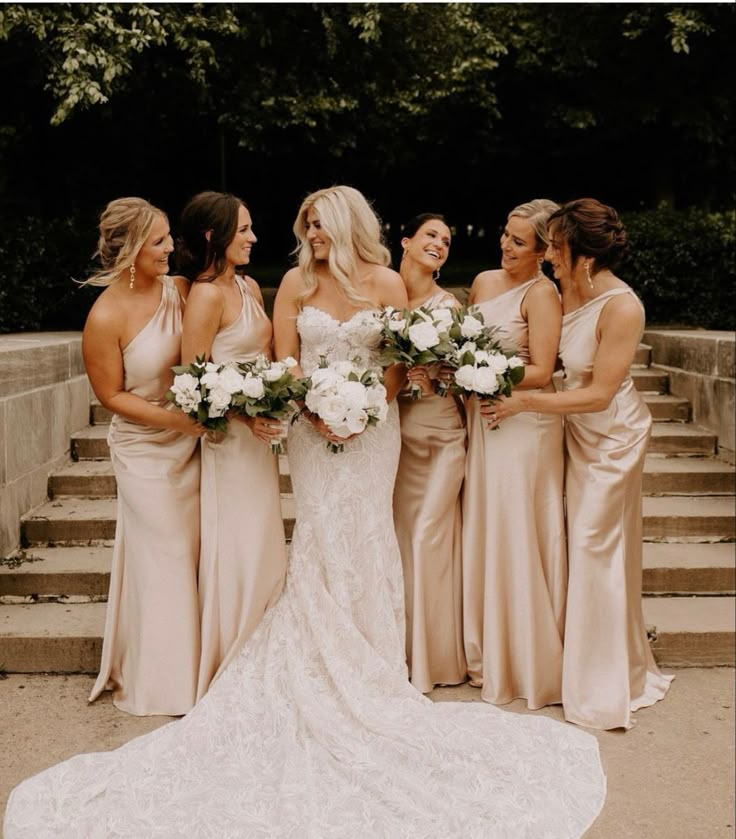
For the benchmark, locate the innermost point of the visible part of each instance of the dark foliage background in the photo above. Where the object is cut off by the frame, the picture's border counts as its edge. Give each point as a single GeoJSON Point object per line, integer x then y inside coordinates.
{"type": "Point", "coordinates": [464, 109]}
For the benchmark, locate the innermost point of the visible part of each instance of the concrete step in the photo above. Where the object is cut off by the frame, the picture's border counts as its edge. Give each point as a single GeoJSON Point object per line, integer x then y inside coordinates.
{"type": "Point", "coordinates": [688, 476]}
{"type": "Point", "coordinates": [692, 631]}
{"type": "Point", "coordinates": [80, 571]}
{"type": "Point", "coordinates": [52, 637]}
{"type": "Point", "coordinates": [84, 479]}
{"type": "Point", "coordinates": [99, 415]}
{"type": "Point", "coordinates": [671, 568]}
{"type": "Point", "coordinates": [666, 408]}
{"type": "Point", "coordinates": [85, 521]}
{"type": "Point", "coordinates": [677, 438]}
{"type": "Point", "coordinates": [687, 518]}
{"type": "Point", "coordinates": [650, 380]}
{"type": "Point", "coordinates": [70, 521]}
{"type": "Point", "coordinates": [91, 443]}
{"type": "Point", "coordinates": [643, 356]}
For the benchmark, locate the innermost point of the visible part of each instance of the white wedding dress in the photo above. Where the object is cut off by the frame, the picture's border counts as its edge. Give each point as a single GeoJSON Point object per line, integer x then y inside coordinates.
{"type": "Point", "coordinates": [314, 731]}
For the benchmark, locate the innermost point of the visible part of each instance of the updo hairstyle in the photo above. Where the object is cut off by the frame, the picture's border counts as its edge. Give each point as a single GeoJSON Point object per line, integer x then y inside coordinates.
{"type": "Point", "coordinates": [537, 213]}
{"type": "Point", "coordinates": [197, 256]}
{"type": "Point", "coordinates": [591, 229]}
{"type": "Point", "coordinates": [411, 228]}
{"type": "Point", "coordinates": [124, 227]}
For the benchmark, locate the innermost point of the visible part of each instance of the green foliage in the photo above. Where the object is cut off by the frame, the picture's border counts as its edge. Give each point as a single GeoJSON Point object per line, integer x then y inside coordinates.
{"type": "Point", "coordinates": [683, 266]}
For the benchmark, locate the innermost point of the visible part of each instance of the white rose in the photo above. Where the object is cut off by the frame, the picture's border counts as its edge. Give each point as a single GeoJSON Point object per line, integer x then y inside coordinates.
{"type": "Point", "coordinates": [498, 363]}
{"type": "Point", "coordinates": [376, 396]}
{"type": "Point", "coordinates": [211, 379]}
{"type": "Point", "coordinates": [231, 380]}
{"type": "Point", "coordinates": [185, 383]}
{"type": "Point", "coordinates": [482, 357]}
{"type": "Point", "coordinates": [443, 318]}
{"type": "Point", "coordinates": [423, 336]}
{"type": "Point", "coordinates": [469, 346]}
{"type": "Point", "coordinates": [470, 327]}
{"type": "Point", "coordinates": [219, 401]}
{"type": "Point", "coordinates": [289, 362]}
{"type": "Point", "coordinates": [515, 362]}
{"type": "Point", "coordinates": [274, 372]}
{"type": "Point", "coordinates": [484, 380]}
{"type": "Point", "coordinates": [253, 387]}
{"type": "Point", "coordinates": [324, 378]}
{"type": "Point", "coordinates": [344, 368]}
{"type": "Point", "coordinates": [464, 376]}
{"type": "Point", "coordinates": [355, 422]}
{"type": "Point", "coordinates": [332, 410]}
{"type": "Point", "coordinates": [355, 395]}
{"type": "Point", "coordinates": [397, 325]}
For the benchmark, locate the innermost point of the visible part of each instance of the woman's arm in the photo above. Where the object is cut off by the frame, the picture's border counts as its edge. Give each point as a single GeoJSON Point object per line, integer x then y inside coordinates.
{"type": "Point", "coordinates": [202, 318]}
{"type": "Point", "coordinates": [285, 313]}
{"type": "Point", "coordinates": [392, 292]}
{"type": "Point", "coordinates": [103, 360]}
{"type": "Point", "coordinates": [619, 331]}
{"type": "Point", "coordinates": [543, 312]}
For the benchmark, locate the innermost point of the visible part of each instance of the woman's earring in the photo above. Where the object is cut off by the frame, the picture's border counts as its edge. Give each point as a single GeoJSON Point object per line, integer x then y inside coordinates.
{"type": "Point", "coordinates": [132, 276]}
{"type": "Point", "coordinates": [587, 274]}
{"type": "Point", "coordinates": [436, 275]}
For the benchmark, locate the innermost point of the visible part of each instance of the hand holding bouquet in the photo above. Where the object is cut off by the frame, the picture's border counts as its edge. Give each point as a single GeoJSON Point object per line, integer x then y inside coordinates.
{"type": "Point", "coordinates": [417, 336]}
{"type": "Point", "coordinates": [268, 390]}
{"type": "Point", "coordinates": [204, 391]}
{"type": "Point", "coordinates": [346, 397]}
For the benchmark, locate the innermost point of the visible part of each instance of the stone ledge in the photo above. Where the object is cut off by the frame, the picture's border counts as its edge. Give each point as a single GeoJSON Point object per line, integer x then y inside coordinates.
{"type": "Point", "coordinates": [34, 359]}
{"type": "Point", "coordinates": [707, 352]}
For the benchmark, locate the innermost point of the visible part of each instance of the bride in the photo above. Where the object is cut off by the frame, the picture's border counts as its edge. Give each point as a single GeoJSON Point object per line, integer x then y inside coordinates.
{"type": "Point", "coordinates": [314, 731]}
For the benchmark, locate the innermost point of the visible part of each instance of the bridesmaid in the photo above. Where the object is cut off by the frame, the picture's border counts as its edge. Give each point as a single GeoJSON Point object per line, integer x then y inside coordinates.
{"type": "Point", "coordinates": [514, 562]}
{"type": "Point", "coordinates": [243, 555]}
{"type": "Point", "coordinates": [150, 653]}
{"type": "Point", "coordinates": [608, 668]}
{"type": "Point", "coordinates": [428, 484]}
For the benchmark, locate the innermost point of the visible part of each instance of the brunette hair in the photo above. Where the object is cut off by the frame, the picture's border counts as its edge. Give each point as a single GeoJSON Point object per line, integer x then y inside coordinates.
{"type": "Point", "coordinates": [537, 213]}
{"type": "Point", "coordinates": [215, 213]}
{"type": "Point", "coordinates": [124, 227]}
{"type": "Point", "coordinates": [591, 229]}
{"type": "Point", "coordinates": [411, 228]}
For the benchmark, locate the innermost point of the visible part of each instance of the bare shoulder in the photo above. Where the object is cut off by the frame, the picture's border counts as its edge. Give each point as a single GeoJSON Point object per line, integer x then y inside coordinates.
{"type": "Point", "coordinates": [544, 291]}
{"type": "Point", "coordinates": [183, 286]}
{"type": "Point", "coordinates": [106, 314]}
{"type": "Point", "coordinates": [292, 283]}
{"type": "Point", "coordinates": [387, 278]}
{"type": "Point", "coordinates": [487, 280]}
{"type": "Point", "coordinates": [622, 313]}
{"type": "Point", "coordinates": [205, 294]}
{"type": "Point", "coordinates": [387, 288]}
{"type": "Point", "coordinates": [253, 287]}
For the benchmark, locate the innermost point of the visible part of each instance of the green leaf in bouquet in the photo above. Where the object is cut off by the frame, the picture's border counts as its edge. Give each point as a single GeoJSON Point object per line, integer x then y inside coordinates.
{"type": "Point", "coordinates": [181, 368]}
{"type": "Point", "coordinates": [202, 415]}
{"type": "Point", "coordinates": [516, 374]}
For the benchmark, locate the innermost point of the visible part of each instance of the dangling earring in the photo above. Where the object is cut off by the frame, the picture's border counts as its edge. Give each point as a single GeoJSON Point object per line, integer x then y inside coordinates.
{"type": "Point", "coordinates": [132, 276]}
{"type": "Point", "coordinates": [587, 274]}
{"type": "Point", "coordinates": [436, 275]}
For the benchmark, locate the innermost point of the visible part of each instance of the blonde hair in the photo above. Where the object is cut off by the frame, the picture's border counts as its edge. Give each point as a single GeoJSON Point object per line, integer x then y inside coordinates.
{"type": "Point", "coordinates": [353, 230]}
{"type": "Point", "coordinates": [537, 212]}
{"type": "Point", "coordinates": [124, 227]}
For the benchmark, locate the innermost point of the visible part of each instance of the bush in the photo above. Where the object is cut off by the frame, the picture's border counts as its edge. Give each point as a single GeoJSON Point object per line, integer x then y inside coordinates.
{"type": "Point", "coordinates": [683, 266]}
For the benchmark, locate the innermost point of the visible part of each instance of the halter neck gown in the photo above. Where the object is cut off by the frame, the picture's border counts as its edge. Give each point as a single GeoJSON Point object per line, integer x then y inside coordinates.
{"type": "Point", "coordinates": [608, 669]}
{"type": "Point", "coordinates": [514, 562]}
{"type": "Point", "coordinates": [428, 526]}
{"type": "Point", "coordinates": [150, 653]}
{"type": "Point", "coordinates": [243, 557]}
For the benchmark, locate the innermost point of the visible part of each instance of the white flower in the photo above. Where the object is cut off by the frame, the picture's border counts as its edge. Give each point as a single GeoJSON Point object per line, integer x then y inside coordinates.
{"type": "Point", "coordinates": [397, 325]}
{"type": "Point", "coordinates": [497, 362]}
{"type": "Point", "coordinates": [423, 336]}
{"type": "Point", "coordinates": [485, 380]}
{"type": "Point", "coordinates": [470, 327]}
{"type": "Point", "coordinates": [253, 387]}
{"type": "Point", "coordinates": [219, 400]}
{"type": "Point", "coordinates": [274, 372]}
{"type": "Point", "coordinates": [289, 362]}
{"type": "Point", "coordinates": [515, 362]}
{"type": "Point", "coordinates": [443, 317]}
{"type": "Point", "coordinates": [332, 410]}
{"type": "Point", "coordinates": [324, 378]}
{"type": "Point", "coordinates": [354, 395]}
{"type": "Point", "coordinates": [343, 368]}
{"type": "Point", "coordinates": [482, 357]}
{"type": "Point", "coordinates": [464, 376]}
{"type": "Point", "coordinates": [469, 346]}
{"type": "Point", "coordinates": [231, 380]}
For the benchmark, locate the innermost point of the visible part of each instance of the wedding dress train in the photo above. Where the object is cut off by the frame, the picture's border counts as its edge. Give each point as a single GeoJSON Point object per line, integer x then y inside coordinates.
{"type": "Point", "coordinates": [314, 730]}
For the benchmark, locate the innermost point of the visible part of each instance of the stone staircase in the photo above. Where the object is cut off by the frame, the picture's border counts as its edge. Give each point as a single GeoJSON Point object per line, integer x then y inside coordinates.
{"type": "Point", "coordinates": [52, 592]}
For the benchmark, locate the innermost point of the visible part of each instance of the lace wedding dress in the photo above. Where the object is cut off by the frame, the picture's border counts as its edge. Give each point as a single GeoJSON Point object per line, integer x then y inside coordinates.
{"type": "Point", "coordinates": [314, 731]}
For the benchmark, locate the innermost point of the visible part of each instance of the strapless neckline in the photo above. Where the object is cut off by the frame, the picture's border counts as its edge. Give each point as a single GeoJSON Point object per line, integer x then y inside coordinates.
{"type": "Point", "coordinates": [336, 320]}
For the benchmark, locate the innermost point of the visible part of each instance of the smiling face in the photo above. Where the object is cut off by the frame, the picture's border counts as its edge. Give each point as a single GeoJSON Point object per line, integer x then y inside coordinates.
{"type": "Point", "coordinates": [430, 245]}
{"type": "Point", "coordinates": [317, 238]}
{"type": "Point", "coordinates": [238, 251]}
{"type": "Point", "coordinates": [519, 251]}
{"type": "Point", "coordinates": [558, 256]}
{"type": "Point", "coordinates": [153, 258]}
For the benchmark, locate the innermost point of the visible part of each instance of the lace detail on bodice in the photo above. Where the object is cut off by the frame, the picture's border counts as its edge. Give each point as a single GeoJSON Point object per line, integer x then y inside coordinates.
{"type": "Point", "coordinates": [356, 339]}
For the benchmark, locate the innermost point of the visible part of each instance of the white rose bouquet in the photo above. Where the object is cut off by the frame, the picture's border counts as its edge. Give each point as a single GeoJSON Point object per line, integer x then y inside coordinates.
{"type": "Point", "coordinates": [205, 391]}
{"type": "Point", "coordinates": [268, 390]}
{"type": "Point", "coordinates": [346, 397]}
{"type": "Point", "coordinates": [417, 336]}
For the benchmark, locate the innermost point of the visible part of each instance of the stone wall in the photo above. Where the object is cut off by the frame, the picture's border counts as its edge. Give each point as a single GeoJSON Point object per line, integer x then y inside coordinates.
{"type": "Point", "coordinates": [701, 368]}
{"type": "Point", "coordinates": [44, 397]}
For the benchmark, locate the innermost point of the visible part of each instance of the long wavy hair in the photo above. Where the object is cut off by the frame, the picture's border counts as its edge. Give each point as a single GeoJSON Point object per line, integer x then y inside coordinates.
{"type": "Point", "coordinates": [354, 232]}
{"type": "Point", "coordinates": [125, 224]}
{"type": "Point", "coordinates": [199, 257]}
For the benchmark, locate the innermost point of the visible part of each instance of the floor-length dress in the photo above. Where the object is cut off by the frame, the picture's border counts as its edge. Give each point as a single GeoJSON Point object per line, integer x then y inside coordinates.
{"type": "Point", "coordinates": [243, 558]}
{"type": "Point", "coordinates": [314, 731]}
{"type": "Point", "coordinates": [514, 561]}
{"type": "Point", "coordinates": [608, 668]}
{"type": "Point", "coordinates": [150, 652]}
{"type": "Point", "coordinates": [428, 526]}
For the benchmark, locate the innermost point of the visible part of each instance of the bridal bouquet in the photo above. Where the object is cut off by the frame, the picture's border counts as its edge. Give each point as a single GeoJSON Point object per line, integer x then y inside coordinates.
{"type": "Point", "coordinates": [268, 390]}
{"type": "Point", "coordinates": [205, 391]}
{"type": "Point", "coordinates": [346, 397]}
{"type": "Point", "coordinates": [416, 336]}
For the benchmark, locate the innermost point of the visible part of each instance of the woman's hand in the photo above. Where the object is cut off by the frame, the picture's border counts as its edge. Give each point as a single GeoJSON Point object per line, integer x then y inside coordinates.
{"type": "Point", "coordinates": [321, 427]}
{"type": "Point", "coordinates": [418, 377]}
{"type": "Point", "coordinates": [268, 431]}
{"type": "Point", "coordinates": [186, 425]}
{"type": "Point", "coordinates": [499, 409]}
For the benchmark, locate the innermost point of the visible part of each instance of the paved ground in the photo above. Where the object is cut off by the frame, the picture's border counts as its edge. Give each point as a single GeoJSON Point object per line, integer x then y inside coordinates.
{"type": "Point", "coordinates": [671, 777]}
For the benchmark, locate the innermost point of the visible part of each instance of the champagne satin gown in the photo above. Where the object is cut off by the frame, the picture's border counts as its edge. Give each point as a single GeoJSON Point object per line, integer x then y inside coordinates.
{"type": "Point", "coordinates": [243, 559]}
{"type": "Point", "coordinates": [608, 669]}
{"type": "Point", "coordinates": [150, 652]}
{"type": "Point", "coordinates": [514, 561]}
{"type": "Point", "coordinates": [428, 525]}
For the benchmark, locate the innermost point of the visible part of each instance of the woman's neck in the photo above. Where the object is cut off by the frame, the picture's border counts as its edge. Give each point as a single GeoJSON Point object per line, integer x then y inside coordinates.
{"type": "Point", "coordinates": [420, 284]}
